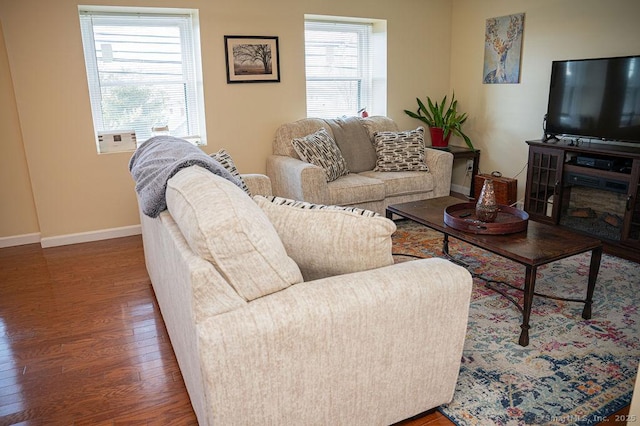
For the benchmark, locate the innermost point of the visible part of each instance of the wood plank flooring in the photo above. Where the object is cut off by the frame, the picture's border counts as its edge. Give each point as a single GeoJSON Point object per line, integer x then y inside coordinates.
{"type": "Point", "coordinates": [82, 341]}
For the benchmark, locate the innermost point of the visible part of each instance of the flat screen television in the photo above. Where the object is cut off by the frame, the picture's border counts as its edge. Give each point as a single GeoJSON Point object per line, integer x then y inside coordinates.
{"type": "Point", "coordinates": [595, 99]}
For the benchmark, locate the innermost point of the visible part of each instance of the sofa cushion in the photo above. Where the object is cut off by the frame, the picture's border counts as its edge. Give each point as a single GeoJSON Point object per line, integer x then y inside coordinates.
{"type": "Point", "coordinates": [403, 183]}
{"type": "Point", "coordinates": [378, 123]}
{"type": "Point", "coordinates": [320, 148]}
{"type": "Point", "coordinates": [400, 151]}
{"type": "Point", "coordinates": [311, 206]}
{"type": "Point", "coordinates": [354, 143]}
{"type": "Point", "coordinates": [355, 189]}
{"type": "Point", "coordinates": [224, 158]}
{"type": "Point", "coordinates": [227, 228]}
{"type": "Point", "coordinates": [330, 240]}
{"type": "Point", "coordinates": [297, 129]}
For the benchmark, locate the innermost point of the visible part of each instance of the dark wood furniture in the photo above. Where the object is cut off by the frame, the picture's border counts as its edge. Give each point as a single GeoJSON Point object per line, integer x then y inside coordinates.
{"type": "Point", "coordinates": [591, 188]}
{"type": "Point", "coordinates": [463, 152]}
{"type": "Point", "coordinates": [506, 189]}
{"type": "Point", "coordinates": [538, 245]}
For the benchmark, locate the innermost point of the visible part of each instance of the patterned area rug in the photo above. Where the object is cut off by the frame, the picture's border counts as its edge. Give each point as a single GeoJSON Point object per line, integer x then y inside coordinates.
{"type": "Point", "coordinates": [574, 371]}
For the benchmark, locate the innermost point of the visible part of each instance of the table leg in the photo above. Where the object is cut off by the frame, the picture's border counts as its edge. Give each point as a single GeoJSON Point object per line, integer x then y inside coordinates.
{"type": "Point", "coordinates": [388, 214]}
{"type": "Point", "coordinates": [529, 289]}
{"type": "Point", "coordinates": [474, 172]}
{"type": "Point", "coordinates": [596, 255]}
{"type": "Point", "coordinates": [445, 244]}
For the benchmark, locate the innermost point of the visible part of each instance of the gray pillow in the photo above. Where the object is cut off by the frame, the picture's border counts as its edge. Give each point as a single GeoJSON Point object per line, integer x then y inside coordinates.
{"type": "Point", "coordinates": [354, 142]}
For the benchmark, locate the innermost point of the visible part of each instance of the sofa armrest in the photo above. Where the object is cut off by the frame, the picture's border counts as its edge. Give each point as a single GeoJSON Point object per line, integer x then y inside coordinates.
{"type": "Point", "coordinates": [440, 165]}
{"type": "Point", "coordinates": [188, 289]}
{"type": "Point", "coordinates": [376, 346]}
{"type": "Point", "coordinates": [258, 184]}
{"type": "Point", "coordinates": [298, 180]}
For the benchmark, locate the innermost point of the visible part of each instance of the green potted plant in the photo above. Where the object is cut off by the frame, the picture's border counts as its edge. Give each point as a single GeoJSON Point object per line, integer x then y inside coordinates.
{"type": "Point", "coordinates": [442, 120]}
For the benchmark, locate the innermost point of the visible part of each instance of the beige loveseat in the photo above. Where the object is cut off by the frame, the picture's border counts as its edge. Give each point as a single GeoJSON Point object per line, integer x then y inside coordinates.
{"type": "Point", "coordinates": [357, 341]}
{"type": "Point", "coordinates": [363, 186]}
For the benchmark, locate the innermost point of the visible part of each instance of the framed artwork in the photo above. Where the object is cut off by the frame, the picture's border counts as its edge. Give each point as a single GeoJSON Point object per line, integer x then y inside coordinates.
{"type": "Point", "coordinates": [503, 49]}
{"type": "Point", "coordinates": [252, 59]}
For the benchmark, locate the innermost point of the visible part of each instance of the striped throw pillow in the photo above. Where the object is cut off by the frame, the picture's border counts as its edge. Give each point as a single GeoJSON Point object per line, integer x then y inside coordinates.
{"type": "Point", "coordinates": [320, 149]}
{"type": "Point", "coordinates": [400, 151]}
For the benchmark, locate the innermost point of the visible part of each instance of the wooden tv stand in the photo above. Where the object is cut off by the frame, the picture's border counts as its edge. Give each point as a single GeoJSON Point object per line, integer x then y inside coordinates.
{"type": "Point", "coordinates": [591, 188]}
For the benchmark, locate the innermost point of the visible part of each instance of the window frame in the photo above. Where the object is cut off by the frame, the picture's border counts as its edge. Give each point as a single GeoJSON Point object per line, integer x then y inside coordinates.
{"type": "Point", "coordinates": [186, 20]}
{"type": "Point", "coordinates": [371, 61]}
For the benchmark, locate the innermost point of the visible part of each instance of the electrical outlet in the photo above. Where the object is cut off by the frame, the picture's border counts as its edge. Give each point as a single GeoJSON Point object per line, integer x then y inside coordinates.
{"type": "Point", "coordinates": [469, 166]}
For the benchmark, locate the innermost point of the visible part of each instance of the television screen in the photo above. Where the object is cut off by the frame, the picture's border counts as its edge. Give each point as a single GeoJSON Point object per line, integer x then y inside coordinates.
{"type": "Point", "coordinates": [595, 98]}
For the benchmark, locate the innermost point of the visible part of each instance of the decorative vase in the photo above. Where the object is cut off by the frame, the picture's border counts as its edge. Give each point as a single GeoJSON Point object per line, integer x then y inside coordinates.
{"type": "Point", "coordinates": [487, 207]}
{"type": "Point", "coordinates": [436, 137]}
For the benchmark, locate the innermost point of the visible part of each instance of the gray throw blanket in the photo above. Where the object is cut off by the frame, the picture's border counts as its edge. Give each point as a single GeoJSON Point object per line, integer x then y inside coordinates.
{"type": "Point", "coordinates": [157, 160]}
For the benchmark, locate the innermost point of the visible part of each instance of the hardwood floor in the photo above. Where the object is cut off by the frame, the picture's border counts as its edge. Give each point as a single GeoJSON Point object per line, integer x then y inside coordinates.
{"type": "Point", "coordinates": [82, 341]}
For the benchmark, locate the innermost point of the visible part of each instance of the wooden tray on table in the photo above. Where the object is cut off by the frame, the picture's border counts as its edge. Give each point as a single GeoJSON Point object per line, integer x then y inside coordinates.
{"type": "Point", "coordinates": [463, 217]}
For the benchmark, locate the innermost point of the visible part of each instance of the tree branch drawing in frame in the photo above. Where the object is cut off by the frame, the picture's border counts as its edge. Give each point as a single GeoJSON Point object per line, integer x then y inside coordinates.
{"type": "Point", "coordinates": [252, 59]}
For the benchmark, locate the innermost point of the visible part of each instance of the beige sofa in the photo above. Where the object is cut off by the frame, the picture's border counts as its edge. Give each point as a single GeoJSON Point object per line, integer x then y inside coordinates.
{"type": "Point", "coordinates": [359, 342]}
{"type": "Point", "coordinates": [363, 187]}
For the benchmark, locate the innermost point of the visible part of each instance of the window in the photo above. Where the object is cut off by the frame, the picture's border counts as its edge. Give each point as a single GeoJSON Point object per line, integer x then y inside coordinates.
{"type": "Point", "coordinates": [345, 67]}
{"type": "Point", "coordinates": [144, 72]}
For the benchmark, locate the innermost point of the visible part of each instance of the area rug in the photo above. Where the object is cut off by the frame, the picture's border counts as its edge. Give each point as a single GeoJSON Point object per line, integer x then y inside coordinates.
{"type": "Point", "coordinates": [574, 371]}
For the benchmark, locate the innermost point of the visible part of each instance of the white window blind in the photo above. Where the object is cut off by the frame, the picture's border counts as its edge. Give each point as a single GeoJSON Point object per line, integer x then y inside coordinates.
{"type": "Point", "coordinates": [144, 73]}
{"type": "Point", "coordinates": [339, 58]}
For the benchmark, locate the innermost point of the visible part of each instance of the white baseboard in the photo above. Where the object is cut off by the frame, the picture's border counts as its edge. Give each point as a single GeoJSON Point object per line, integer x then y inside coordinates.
{"type": "Point", "coordinates": [82, 237]}
{"type": "Point", "coordinates": [85, 237]}
{"type": "Point", "coordinates": [460, 189]}
{"type": "Point", "coordinates": [63, 240]}
{"type": "Point", "coordinates": [19, 240]}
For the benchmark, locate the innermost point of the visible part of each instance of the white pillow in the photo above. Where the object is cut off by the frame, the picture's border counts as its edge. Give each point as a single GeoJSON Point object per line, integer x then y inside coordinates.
{"type": "Point", "coordinates": [227, 228]}
{"type": "Point", "coordinates": [330, 240]}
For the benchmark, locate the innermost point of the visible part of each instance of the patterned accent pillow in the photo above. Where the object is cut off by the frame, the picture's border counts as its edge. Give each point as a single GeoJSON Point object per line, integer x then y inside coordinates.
{"type": "Point", "coordinates": [320, 149]}
{"type": "Point", "coordinates": [306, 205]}
{"type": "Point", "coordinates": [400, 151]}
{"type": "Point", "coordinates": [226, 161]}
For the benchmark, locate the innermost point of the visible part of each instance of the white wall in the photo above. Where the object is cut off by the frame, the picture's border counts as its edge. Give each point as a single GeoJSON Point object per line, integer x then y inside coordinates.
{"type": "Point", "coordinates": [634, 409]}
{"type": "Point", "coordinates": [434, 47]}
{"type": "Point", "coordinates": [75, 190]}
{"type": "Point", "coordinates": [17, 210]}
{"type": "Point", "coordinates": [503, 116]}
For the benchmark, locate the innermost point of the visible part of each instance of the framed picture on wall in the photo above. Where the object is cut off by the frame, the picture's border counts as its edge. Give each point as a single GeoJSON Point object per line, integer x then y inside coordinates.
{"type": "Point", "coordinates": [252, 59]}
{"type": "Point", "coordinates": [503, 49]}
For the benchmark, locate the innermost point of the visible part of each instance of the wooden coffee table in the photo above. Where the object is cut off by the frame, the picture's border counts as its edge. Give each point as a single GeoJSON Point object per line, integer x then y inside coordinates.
{"type": "Point", "coordinates": [538, 245]}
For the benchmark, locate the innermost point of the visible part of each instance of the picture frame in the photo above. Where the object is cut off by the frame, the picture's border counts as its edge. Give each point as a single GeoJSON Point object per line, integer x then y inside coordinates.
{"type": "Point", "coordinates": [503, 49]}
{"type": "Point", "coordinates": [252, 59]}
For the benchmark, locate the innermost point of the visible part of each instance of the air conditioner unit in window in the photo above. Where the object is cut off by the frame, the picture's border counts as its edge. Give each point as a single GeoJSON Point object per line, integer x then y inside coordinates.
{"type": "Point", "coordinates": [117, 141]}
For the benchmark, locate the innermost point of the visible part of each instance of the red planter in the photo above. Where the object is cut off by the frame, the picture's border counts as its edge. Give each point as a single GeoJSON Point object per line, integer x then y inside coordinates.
{"type": "Point", "coordinates": [436, 137]}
